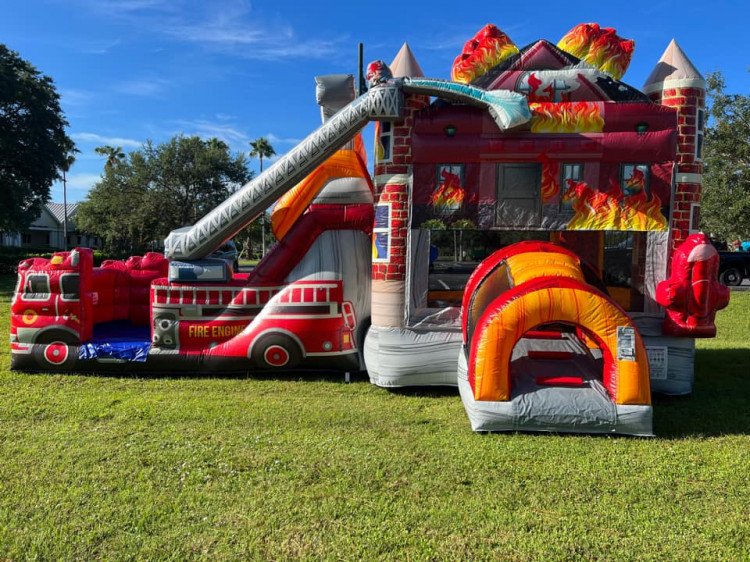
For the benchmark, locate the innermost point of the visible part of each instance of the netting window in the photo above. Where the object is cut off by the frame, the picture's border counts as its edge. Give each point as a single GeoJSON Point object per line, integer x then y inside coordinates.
{"type": "Point", "coordinates": [624, 268]}
{"type": "Point", "coordinates": [384, 149]}
{"type": "Point", "coordinates": [695, 217]}
{"type": "Point", "coordinates": [70, 286]}
{"type": "Point", "coordinates": [381, 233]}
{"type": "Point", "coordinates": [440, 263]}
{"type": "Point", "coordinates": [700, 125]}
{"type": "Point", "coordinates": [572, 172]}
{"type": "Point", "coordinates": [634, 179]}
{"type": "Point", "coordinates": [36, 288]}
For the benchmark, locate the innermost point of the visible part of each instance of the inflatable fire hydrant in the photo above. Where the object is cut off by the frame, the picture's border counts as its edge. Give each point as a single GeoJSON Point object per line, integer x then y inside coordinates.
{"type": "Point", "coordinates": [692, 294]}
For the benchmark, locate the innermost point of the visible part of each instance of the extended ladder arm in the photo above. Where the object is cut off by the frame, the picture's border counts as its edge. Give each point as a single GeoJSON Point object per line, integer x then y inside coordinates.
{"type": "Point", "coordinates": [383, 102]}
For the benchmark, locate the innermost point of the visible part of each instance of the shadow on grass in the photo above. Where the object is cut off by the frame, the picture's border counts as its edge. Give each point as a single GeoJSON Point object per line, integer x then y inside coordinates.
{"type": "Point", "coordinates": [296, 376]}
{"type": "Point", "coordinates": [720, 403]}
{"type": "Point", "coordinates": [426, 391]}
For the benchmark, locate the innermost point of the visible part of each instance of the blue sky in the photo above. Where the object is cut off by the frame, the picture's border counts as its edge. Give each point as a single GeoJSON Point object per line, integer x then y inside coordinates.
{"type": "Point", "coordinates": [132, 70]}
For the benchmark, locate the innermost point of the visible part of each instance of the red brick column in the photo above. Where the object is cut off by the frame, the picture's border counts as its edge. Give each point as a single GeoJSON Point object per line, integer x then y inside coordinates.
{"type": "Point", "coordinates": [395, 269]}
{"type": "Point", "coordinates": [687, 102]}
{"type": "Point", "coordinates": [401, 149]}
{"type": "Point", "coordinates": [392, 181]}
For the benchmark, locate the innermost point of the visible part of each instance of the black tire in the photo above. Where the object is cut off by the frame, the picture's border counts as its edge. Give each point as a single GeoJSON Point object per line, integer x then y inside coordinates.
{"type": "Point", "coordinates": [55, 356]}
{"type": "Point", "coordinates": [276, 351]}
{"type": "Point", "coordinates": [731, 277]}
{"type": "Point", "coordinates": [55, 350]}
{"type": "Point", "coordinates": [55, 335]}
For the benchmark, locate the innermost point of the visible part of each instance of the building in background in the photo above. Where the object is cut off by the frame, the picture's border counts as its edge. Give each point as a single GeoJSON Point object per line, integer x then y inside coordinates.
{"type": "Point", "coordinates": [48, 231]}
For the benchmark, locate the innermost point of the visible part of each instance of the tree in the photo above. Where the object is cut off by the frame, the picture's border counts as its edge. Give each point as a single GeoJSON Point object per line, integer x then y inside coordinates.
{"type": "Point", "coordinates": [114, 154]}
{"type": "Point", "coordinates": [33, 142]}
{"type": "Point", "coordinates": [158, 188]}
{"type": "Point", "coordinates": [725, 208]}
{"type": "Point", "coordinates": [261, 148]}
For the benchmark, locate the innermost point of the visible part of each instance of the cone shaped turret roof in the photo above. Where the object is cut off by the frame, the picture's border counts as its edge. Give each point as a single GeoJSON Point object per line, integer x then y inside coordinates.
{"type": "Point", "coordinates": [674, 69]}
{"type": "Point", "coordinates": [405, 64]}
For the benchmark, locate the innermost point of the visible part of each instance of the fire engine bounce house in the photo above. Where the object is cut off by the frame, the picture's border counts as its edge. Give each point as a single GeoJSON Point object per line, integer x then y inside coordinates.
{"type": "Point", "coordinates": [587, 185]}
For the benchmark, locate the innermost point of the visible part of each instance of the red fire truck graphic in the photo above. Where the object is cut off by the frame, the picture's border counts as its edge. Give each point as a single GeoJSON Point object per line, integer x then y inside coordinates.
{"type": "Point", "coordinates": [61, 304]}
{"type": "Point", "coordinates": [272, 326]}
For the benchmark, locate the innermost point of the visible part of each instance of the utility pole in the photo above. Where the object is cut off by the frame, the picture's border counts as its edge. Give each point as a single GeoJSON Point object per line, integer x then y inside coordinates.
{"type": "Point", "coordinates": [65, 211]}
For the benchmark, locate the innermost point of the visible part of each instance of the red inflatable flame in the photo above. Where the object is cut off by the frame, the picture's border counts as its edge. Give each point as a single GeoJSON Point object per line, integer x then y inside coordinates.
{"type": "Point", "coordinates": [488, 48]}
{"type": "Point", "coordinates": [599, 46]}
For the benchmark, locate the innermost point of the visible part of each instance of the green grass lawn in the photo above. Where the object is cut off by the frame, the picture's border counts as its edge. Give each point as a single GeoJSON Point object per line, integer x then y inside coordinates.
{"type": "Point", "coordinates": [260, 468]}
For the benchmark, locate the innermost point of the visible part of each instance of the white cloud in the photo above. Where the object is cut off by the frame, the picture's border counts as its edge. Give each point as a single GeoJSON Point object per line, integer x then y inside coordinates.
{"type": "Point", "coordinates": [102, 139]}
{"type": "Point", "coordinates": [82, 181]}
{"type": "Point", "coordinates": [225, 131]}
{"type": "Point", "coordinates": [75, 97]}
{"type": "Point", "coordinates": [147, 87]}
{"type": "Point", "coordinates": [124, 8]}
{"type": "Point", "coordinates": [95, 47]}
{"type": "Point", "coordinates": [227, 26]}
{"type": "Point", "coordinates": [282, 140]}
{"type": "Point", "coordinates": [78, 186]}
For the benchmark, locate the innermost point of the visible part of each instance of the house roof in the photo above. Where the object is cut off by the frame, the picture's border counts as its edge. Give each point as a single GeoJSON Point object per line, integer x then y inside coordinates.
{"type": "Point", "coordinates": [405, 64]}
{"type": "Point", "coordinates": [546, 59]}
{"type": "Point", "coordinates": [57, 210]}
{"type": "Point", "coordinates": [675, 69]}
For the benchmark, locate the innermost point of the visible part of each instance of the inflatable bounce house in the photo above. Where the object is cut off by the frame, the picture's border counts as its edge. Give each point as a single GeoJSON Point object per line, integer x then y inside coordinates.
{"type": "Point", "coordinates": [529, 235]}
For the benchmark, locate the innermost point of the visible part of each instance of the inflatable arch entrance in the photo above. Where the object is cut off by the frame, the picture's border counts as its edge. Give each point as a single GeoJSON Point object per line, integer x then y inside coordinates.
{"type": "Point", "coordinates": [518, 372]}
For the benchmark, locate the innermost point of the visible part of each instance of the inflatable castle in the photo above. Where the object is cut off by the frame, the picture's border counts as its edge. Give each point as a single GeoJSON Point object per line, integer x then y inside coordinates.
{"type": "Point", "coordinates": [530, 235]}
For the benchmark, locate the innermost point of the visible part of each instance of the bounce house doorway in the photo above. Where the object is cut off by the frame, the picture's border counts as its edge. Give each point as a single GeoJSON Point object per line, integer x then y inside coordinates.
{"type": "Point", "coordinates": [546, 350]}
{"type": "Point", "coordinates": [558, 373]}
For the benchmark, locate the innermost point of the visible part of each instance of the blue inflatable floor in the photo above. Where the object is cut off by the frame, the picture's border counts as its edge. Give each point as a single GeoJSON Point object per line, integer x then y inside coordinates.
{"type": "Point", "coordinates": [117, 341]}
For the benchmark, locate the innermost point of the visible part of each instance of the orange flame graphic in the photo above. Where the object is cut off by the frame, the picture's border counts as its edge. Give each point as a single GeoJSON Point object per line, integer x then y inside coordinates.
{"type": "Point", "coordinates": [488, 48]}
{"type": "Point", "coordinates": [566, 117]}
{"type": "Point", "coordinates": [550, 180]}
{"type": "Point", "coordinates": [449, 194]}
{"type": "Point", "coordinates": [600, 47]}
{"type": "Point", "coordinates": [596, 210]}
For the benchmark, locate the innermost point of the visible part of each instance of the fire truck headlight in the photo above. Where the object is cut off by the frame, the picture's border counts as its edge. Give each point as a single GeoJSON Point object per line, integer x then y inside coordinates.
{"type": "Point", "coordinates": [155, 339]}
{"type": "Point", "coordinates": [327, 345]}
{"type": "Point", "coordinates": [167, 341]}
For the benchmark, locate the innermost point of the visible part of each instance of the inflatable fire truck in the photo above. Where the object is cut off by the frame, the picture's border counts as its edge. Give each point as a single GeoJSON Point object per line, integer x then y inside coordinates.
{"type": "Point", "coordinates": [576, 280]}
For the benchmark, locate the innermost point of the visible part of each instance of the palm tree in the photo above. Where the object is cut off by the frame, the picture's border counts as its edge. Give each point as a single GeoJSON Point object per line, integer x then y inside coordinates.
{"type": "Point", "coordinates": [262, 149]}
{"type": "Point", "coordinates": [114, 154]}
{"type": "Point", "coordinates": [69, 159]}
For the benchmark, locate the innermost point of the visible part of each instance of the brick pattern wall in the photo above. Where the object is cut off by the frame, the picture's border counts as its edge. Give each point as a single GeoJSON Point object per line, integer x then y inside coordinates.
{"type": "Point", "coordinates": [397, 194]}
{"type": "Point", "coordinates": [687, 101]}
{"type": "Point", "coordinates": [395, 270]}
{"type": "Point", "coordinates": [401, 150]}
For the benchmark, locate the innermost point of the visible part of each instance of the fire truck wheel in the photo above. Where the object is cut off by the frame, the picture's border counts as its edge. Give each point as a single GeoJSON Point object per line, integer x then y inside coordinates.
{"type": "Point", "coordinates": [276, 351]}
{"type": "Point", "coordinates": [55, 355]}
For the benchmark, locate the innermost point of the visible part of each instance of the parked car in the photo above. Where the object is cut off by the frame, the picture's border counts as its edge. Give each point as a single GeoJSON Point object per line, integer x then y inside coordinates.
{"type": "Point", "coordinates": [734, 267]}
{"type": "Point", "coordinates": [228, 252]}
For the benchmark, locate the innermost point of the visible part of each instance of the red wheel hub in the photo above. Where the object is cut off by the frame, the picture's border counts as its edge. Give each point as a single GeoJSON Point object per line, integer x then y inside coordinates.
{"type": "Point", "coordinates": [56, 353]}
{"type": "Point", "coordinates": [276, 356]}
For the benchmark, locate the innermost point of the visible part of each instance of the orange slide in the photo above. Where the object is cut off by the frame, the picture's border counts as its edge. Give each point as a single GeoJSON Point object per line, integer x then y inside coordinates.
{"type": "Point", "coordinates": [345, 163]}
